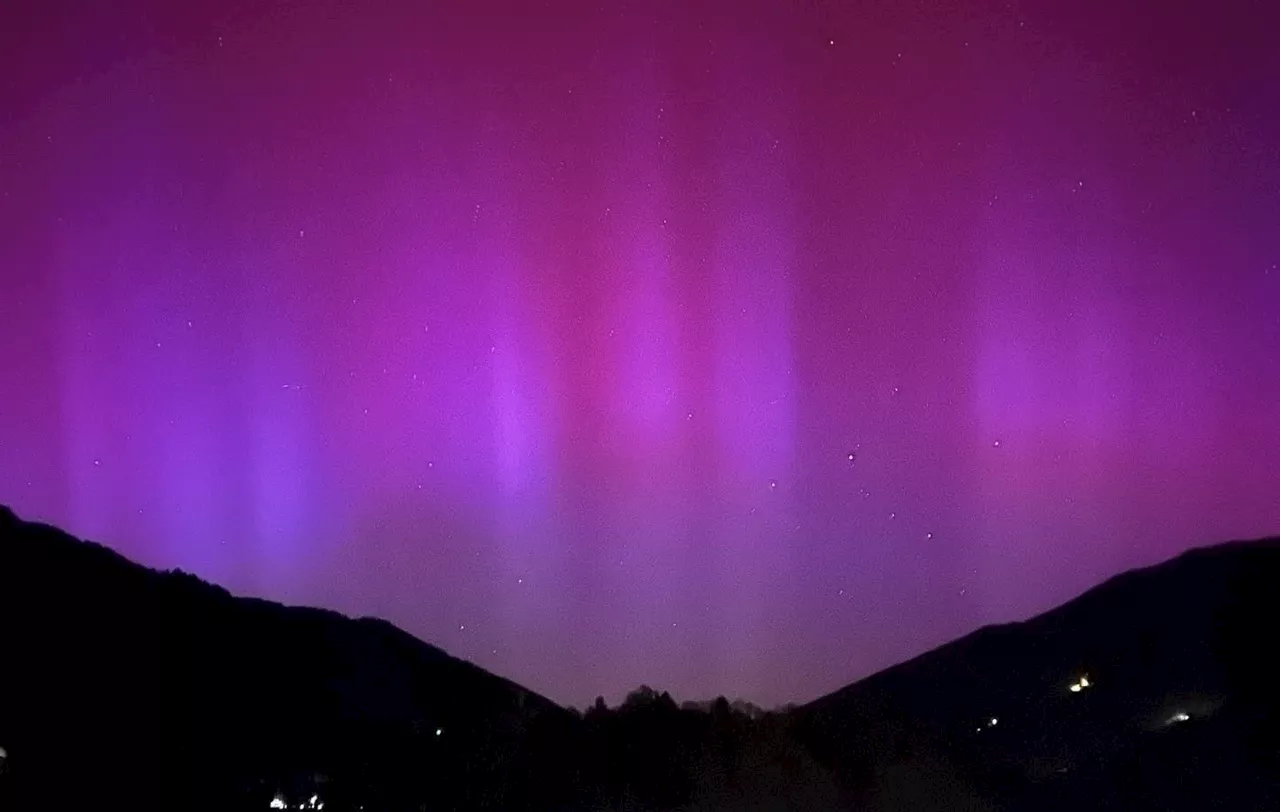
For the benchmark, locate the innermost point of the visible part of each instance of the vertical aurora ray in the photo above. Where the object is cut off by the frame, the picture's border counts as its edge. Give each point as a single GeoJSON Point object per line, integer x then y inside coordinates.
{"type": "Point", "coordinates": [523, 401]}
{"type": "Point", "coordinates": [753, 371]}
{"type": "Point", "coordinates": [645, 342]}
{"type": "Point", "coordinates": [285, 501]}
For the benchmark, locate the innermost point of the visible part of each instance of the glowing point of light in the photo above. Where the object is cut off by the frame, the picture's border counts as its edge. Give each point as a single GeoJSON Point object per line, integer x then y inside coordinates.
{"type": "Point", "coordinates": [992, 722]}
{"type": "Point", "coordinates": [277, 802]}
{"type": "Point", "coordinates": [1079, 685]}
{"type": "Point", "coordinates": [1180, 716]}
{"type": "Point", "coordinates": [1075, 687]}
{"type": "Point", "coordinates": [439, 731]}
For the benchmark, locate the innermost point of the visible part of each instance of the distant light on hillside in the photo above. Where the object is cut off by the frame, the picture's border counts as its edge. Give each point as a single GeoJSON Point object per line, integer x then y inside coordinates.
{"type": "Point", "coordinates": [992, 722]}
{"type": "Point", "coordinates": [439, 731]}
{"type": "Point", "coordinates": [1080, 684]}
{"type": "Point", "coordinates": [277, 802]}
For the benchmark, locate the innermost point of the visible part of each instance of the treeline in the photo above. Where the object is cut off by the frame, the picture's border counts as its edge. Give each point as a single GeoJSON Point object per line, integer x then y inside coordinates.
{"type": "Point", "coordinates": [648, 753]}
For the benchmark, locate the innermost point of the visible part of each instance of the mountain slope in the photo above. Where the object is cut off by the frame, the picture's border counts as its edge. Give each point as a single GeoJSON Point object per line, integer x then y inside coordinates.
{"type": "Point", "coordinates": [1156, 689]}
{"type": "Point", "coordinates": [157, 688]}
{"type": "Point", "coordinates": [121, 687]}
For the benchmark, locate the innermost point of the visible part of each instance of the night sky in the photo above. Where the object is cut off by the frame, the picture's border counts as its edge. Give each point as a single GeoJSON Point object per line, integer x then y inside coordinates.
{"type": "Point", "coordinates": [728, 346]}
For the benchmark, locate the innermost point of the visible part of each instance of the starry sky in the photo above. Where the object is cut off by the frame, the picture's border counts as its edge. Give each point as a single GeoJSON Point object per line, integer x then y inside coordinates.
{"type": "Point", "coordinates": [728, 346]}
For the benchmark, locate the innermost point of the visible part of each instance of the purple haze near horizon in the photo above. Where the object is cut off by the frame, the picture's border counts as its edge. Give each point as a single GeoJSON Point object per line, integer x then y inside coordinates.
{"type": "Point", "coordinates": [548, 335]}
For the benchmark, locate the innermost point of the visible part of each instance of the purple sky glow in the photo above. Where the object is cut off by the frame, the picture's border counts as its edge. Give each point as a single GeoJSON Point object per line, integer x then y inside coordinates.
{"type": "Point", "coordinates": [546, 331]}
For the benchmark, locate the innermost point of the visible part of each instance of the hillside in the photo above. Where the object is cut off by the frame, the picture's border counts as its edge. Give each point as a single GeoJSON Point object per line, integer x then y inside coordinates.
{"type": "Point", "coordinates": [158, 688]}
{"type": "Point", "coordinates": [122, 687]}
{"type": "Point", "coordinates": [1156, 689]}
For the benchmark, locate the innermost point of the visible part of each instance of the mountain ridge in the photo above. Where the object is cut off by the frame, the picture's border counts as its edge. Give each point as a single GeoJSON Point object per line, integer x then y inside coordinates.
{"type": "Point", "coordinates": [1265, 545]}
{"type": "Point", "coordinates": [1152, 690]}
{"type": "Point", "coordinates": [1146, 668]}
{"type": "Point", "coordinates": [227, 688]}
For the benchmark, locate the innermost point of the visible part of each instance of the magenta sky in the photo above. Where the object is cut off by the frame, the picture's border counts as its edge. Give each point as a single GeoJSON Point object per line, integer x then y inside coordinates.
{"type": "Point", "coordinates": [547, 334]}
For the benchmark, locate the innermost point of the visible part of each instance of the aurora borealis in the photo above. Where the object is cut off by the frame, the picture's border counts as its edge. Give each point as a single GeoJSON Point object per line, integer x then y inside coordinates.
{"type": "Point", "coordinates": [729, 347]}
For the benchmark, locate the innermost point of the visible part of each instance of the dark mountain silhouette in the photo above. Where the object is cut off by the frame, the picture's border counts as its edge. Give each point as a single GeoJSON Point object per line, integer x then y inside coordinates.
{"type": "Point", "coordinates": [156, 689]}
{"type": "Point", "coordinates": [1155, 690]}
{"type": "Point", "coordinates": [122, 687]}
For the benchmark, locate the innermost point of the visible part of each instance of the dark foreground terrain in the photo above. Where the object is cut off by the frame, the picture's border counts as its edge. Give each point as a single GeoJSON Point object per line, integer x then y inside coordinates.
{"type": "Point", "coordinates": [126, 688]}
